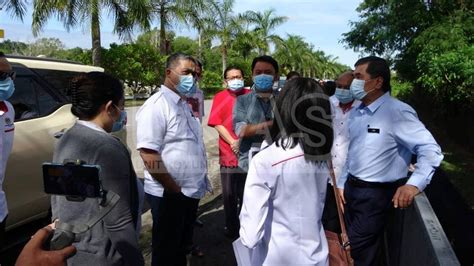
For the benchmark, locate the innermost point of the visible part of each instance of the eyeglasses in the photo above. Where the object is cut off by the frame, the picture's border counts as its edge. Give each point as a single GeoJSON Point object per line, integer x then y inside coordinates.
{"type": "Point", "coordinates": [5, 75]}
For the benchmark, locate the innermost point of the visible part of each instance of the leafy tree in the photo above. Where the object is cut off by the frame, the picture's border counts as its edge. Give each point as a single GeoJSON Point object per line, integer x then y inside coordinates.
{"type": "Point", "coordinates": [138, 66]}
{"type": "Point", "coordinates": [49, 47]}
{"type": "Point", "coordinates": [185, 45]}
{"type": "Point", "coordinates": [126, 14]}
{"type": "Point", "coordinates": [12, 47]}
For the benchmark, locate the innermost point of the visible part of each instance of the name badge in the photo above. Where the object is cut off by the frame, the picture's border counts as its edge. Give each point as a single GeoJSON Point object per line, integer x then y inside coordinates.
{"type": "Point", "coordinates": [373, 130]}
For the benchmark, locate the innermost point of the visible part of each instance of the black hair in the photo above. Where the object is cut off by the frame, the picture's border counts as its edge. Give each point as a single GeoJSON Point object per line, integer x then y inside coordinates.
{"type": "Point", "coordinates": [2, 54]}
{"type": "Point", "coordinates": [329, 87]}
{"type": "Point", "coordinates": [303, 116]}
{"type": "Point", "coordinates": [89, 91]}
{"type": "Point", "coordinates": [229, 68]}
{"type": "Point", "coordinates": [292, 74]}
{"type": "Point", "coordinates": [266, 59]}
{"type": "Point", "coordinates": [198, 63]}
{"type": "Point", "coordinates": [173, 59]}
{"type": "Point", "coordinates": [377, 67]}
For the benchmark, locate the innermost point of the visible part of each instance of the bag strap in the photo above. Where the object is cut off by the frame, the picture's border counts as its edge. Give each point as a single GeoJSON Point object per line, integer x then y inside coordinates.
{"type": "Point", "coordinates": [344, 238]}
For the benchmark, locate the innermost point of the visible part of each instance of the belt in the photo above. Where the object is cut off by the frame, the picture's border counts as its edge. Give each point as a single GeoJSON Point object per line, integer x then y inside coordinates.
{"type": "Point", "coordinates": [357, 182]}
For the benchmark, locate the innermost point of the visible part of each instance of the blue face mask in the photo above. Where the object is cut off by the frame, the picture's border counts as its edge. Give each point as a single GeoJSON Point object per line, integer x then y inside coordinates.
{"type": "Point", "coordinates": [7, 87]}
{"type": "Point", "coordinates": [357, 89]}
{"type": "Point", "coordinates": [186, 85]}
{"type": "Point", "coordinates": [120, 123]}
{"type": "Point", "coordinates": [344, 96]}
{"type": "Point", "coordinates": [235, 84]}
{"type": "Point", "coordinates": [263, 82]}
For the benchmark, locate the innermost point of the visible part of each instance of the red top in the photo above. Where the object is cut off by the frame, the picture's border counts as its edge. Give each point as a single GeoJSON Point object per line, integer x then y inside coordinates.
{"type": "Point", "coordinates": [221, 114]}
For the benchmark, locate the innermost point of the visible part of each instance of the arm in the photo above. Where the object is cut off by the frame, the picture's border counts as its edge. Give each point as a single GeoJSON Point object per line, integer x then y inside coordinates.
{"type": "Point", "coordinates": [258, 188]}
{"type": "Point", "coordinates": [115, 176]}
{"type": "Point", "coordinates": [155, 166]}
{"type": "Point", "coordinates": [234, 143]}
{"type": "Point", "coordinates": [240, 124]}
{"type": "Point", "coordinates": [412, 134]}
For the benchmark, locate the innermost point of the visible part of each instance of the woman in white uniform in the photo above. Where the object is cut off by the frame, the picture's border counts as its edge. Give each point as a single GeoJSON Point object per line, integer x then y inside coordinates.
{"type": "Point", "coordinates": [286, 184]}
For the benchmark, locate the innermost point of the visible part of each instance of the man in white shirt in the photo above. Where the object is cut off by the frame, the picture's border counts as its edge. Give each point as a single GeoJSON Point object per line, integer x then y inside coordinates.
{"type": "Point", "coordinates": [7, 117]}
{"type": "Point", "coordinates": [171, 145]}
{"type": "Point", "coordinates": [342, 103]}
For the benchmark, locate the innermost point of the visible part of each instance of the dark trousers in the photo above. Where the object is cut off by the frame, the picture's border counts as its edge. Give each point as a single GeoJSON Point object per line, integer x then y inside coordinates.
{"type": "Point", "coordinates": [3, 224]}
{"type": "Point", "coordinates": [330, 217]}
{"type": "Point", "coordinates": [233, 183]}
{"type": "Point", "coordinates": [173, 224]}
{"type": "Point", "coordinates": [366, 213]}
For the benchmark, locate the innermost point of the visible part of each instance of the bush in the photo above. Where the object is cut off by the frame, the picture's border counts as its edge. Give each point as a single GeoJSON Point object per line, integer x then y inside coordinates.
{"type": "Point", "coordinates": [211, 83]}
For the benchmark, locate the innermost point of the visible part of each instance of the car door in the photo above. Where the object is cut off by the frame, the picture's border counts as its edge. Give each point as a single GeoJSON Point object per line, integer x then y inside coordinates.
{"type": "Point", "coordinates": [40, 115]}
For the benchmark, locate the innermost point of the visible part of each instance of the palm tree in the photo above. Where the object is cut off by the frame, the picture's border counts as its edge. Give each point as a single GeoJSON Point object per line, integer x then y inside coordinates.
{"type": "Point", "coordinates": [126, 13]}
{"type": "Point", "coordinates": [17, 8]}
{"type": "Point", "coordinates": [186, 11]}
{"type": "Point", "coordinates": [265, 23]}
{"type": "Point", "coordinates": [224, 26]}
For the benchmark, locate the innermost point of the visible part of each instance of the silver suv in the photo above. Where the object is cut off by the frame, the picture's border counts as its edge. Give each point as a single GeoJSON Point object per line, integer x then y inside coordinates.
{"type": "Point", "coordinates": [42, 113]}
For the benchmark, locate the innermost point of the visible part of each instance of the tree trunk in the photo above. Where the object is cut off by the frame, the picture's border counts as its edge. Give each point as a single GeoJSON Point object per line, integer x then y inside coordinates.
{"type": "Point", "coordinates": [162, 28]}
{"type": "Point", "coordinates": [199, 44]}
{"type": "Point", "coordinates": [224, 57]}
{"type": "Point", "coordinates": [95, 32]}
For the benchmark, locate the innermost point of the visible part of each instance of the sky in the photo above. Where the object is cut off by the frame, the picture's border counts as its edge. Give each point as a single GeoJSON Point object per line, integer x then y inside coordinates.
{"type": "Point", "coordinates": [319, 22]}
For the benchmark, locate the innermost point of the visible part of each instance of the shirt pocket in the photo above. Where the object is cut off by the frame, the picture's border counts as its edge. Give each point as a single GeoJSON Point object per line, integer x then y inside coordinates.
{"type": "Point", "coordinates": [374, 139]}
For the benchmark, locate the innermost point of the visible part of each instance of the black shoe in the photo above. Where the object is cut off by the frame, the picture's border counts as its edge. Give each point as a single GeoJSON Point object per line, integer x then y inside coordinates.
{"type": "Point", "coordinates": [198, 223]}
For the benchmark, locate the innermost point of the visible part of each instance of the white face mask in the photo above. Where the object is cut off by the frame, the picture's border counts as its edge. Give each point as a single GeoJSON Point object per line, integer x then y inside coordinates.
{"type": "Point", "coordinates": [235, 84]}
{"type": "Point", "coordinates": [357, 89]}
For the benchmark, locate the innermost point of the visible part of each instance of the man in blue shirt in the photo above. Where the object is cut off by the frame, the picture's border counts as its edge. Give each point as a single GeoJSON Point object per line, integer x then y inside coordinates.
{"type": "Point", "coordinates": [384, 134]}
{"type": "Point", "coordinates": [253, 114]}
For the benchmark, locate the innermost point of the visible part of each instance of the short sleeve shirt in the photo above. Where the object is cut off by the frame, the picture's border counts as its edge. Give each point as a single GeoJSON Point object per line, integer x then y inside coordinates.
{"type": "Point", "coordinates": [166, 124]}
{"type": "Point", "coordinates": [221, 114]}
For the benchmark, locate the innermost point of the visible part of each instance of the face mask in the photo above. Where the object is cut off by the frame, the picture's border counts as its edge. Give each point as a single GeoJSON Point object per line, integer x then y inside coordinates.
{"type": "Point", "coordinates": [344, 96]}
{"type": "Point", "coordinates": [235, 84]}
{"type": "Point", "coordinates": [263, 82]}
{"type": "Point", "coordinates": [7, 87]}
{"type": "Point", "coordinates": [357, 89]}
{"type": "Point", "coordinates": [186, 85]}
{"type": "Point", "coordinates": [120, 123]}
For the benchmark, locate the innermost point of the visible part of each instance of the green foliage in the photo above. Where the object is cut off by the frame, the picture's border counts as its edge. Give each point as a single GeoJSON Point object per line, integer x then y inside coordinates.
{"type": "Point", "coordinates": [12, 47]}
{"type": "Point", "coordinates": [400, 89]}
{"type": "Point", "coordinates": [137, 65]}
{"type": "Point", "coordinates": [184, 45]}
{"type": "Point", "coordinates": [211, 83]}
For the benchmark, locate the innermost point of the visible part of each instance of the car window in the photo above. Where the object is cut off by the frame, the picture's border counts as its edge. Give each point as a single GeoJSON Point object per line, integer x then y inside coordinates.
{"type": "Point", "coordinates": [31, 99]}
{"type": "Point", "coordinates": [58, 79]}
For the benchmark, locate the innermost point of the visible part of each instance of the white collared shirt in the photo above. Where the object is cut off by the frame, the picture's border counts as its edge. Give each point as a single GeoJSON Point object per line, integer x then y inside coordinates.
{"type": "Point", "coordinates": [7, 128]}
{"type": "Point", "coordinates": [340, 127]}
{"type": "Point", "coordinates": [91, 125]}
{"type": "Point", "coordinates": [282, 208]}
{"type": "Point", "coordinates": [165, 124]}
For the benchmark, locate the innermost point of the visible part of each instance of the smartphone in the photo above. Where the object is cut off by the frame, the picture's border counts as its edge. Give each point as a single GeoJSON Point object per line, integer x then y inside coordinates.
{"type": "Point", "coordinates": [72, 180]}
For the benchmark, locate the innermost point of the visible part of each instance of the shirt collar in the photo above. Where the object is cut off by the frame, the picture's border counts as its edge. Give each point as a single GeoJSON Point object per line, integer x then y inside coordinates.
{"type": "Point", "coordinates": [374, 106]}
{"type": "Point", "coordinates": [174, 96]}
{"type": "Point", "coordinates": [91, 125]}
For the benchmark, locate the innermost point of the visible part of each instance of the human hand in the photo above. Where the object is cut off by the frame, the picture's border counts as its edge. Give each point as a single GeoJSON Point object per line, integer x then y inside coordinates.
{"type": "Point", "coordinates": [342, 200]}
{"type": "Point", "coordinates": [235, 146]}
{"type": "Point", "coordinates": [404, 196]}
{"type": "Point", "coordinates": [34, 254]}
